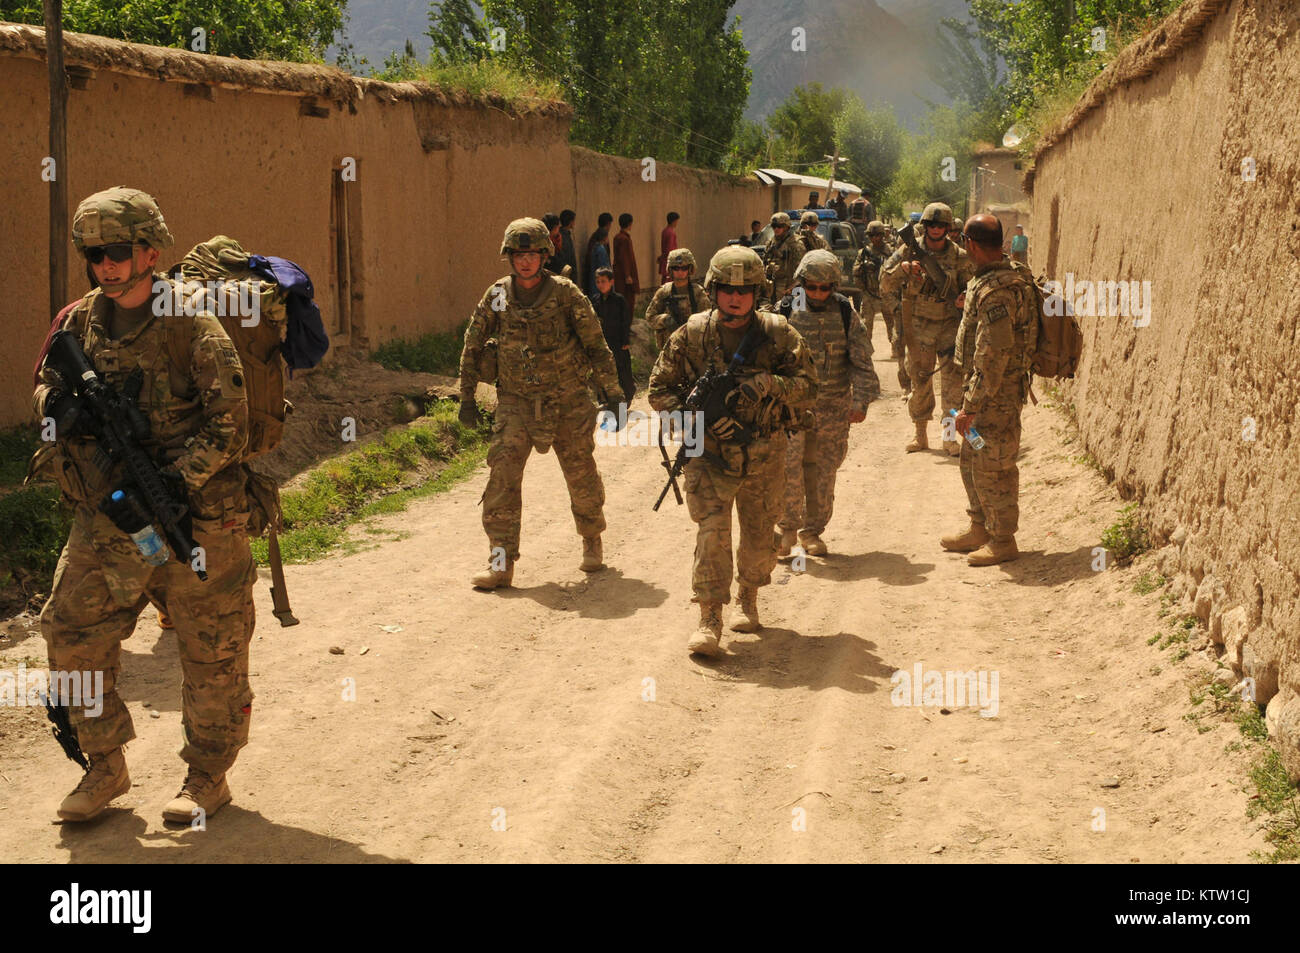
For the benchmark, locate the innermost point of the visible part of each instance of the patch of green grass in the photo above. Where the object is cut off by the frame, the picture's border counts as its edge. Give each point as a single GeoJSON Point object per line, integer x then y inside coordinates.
{"type": "Point", "coordinates": [487, 77]}
{"type": "Point", "coordinates": [1154, 639]}
{"type": "Point", "coordinates": [1251, 722]}
{"type": "Point", "coordinates": [16, 449]}
{"type": "Point", "coordinates": [1148, 583]}
{"type": "Point", "coordinates": [434, 353]}
{"type": "Point", "coordinates": [34, 525]}
{"type": "Point", "coordinates": [381, 477]}
{"type": "Point", "coordinates": [1278, 799]}
{"type": "Point", "coordinates": [1127, 537]}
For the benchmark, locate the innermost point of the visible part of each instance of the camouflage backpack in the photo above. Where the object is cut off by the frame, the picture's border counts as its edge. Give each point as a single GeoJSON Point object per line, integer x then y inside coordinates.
{"type": "Point", "coordinates": [1060, 341]}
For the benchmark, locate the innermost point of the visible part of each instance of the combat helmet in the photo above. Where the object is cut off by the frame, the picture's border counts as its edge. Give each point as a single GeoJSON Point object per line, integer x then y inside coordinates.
{"type": "Point", "coordinates": [819, 265]}
{"type": "Point", "coordinates": [119, 215]}
{"type": "Point", "coordinates": [527, 234]}
{"type": "Point", "coordinates": [936, 213]}
{"type": "Point", "coordinates": [682, 256]}
{"type": "Point", "coordinates": [808, 218]}
{"type": "Point", "coordinates": [956, 225]}
{"type": "Point", "coordinates": [875, 227]}
{"type": "Point", "coordinates": [780, 218]}
{"type": "Point", "coordinates": [735, 265]}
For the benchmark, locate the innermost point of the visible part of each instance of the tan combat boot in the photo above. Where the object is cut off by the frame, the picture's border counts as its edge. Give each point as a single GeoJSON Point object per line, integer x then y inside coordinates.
{"type": "Point", "coordinates": [200, 790]}
{"type": "Point", "coordinates": [785, 541]}
{"type": "Point", "coordinates": [592, 554]}
{"type": "Point", "coordinates": [492, 579]}
{"type": "Point", "coordinates": [812, 544]}
{"type": "Point", "coordinates": [920, 441]}
{"type": "Point", "coordinates": [747, 602]}
{"type": "Point", "coordinates": [707, 639]}
{"type": "Point", "coordinates": [952, 448]}
{"type": "Point", "coordinates": [972, 539]}
{"type": "Point", "coordinates": [106, 779]}
{"type": "Point", "coordinates": [999, 549]}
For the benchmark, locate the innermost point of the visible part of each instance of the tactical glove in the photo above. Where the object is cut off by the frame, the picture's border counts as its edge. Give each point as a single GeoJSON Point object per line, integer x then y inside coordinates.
{"type": "Point", "coordinates": [755, 388]}
{"type": "Point", "coordinates": [65, 410]}
{"type": "Point", "coordinates": [724, 428]}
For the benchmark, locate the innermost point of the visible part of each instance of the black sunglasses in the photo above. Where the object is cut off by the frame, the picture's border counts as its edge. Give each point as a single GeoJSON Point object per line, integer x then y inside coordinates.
{"type": "Point", "coordinates": [118, 251]}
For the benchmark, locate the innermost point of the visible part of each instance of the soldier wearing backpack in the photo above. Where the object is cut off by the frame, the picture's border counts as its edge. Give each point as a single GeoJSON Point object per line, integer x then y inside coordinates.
{"type": "Point", "coordinates": [198, 425]}
{"type": "Point", "coordinates": [840, 345]}
{"type": "Point", "coordinates": [996, 347]}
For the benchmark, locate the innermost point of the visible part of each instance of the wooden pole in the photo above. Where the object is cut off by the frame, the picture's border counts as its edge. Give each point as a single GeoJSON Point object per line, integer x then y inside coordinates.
{"type": "Point", "coordinates": [59, 153]}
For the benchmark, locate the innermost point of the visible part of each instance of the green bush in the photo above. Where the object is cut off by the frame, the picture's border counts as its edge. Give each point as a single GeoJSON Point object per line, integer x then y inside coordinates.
{"type": "Point", "coordinates": [1126, 537]}
{"type": "Point", "coordinates": [34, 526]}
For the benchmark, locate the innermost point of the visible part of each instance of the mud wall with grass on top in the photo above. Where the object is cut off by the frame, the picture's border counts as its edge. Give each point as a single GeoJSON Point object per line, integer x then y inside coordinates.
{"type": "Point", "coordinates": [1181, 167]}
{"type": "Point", "coordinates": [393, 197]}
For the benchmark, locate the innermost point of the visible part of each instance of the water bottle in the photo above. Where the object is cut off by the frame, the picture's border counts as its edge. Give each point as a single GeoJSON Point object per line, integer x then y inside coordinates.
{"type": "Point", "coordinates": [146, 539]}
{"type": "Point", "coordinates": [972, 435]}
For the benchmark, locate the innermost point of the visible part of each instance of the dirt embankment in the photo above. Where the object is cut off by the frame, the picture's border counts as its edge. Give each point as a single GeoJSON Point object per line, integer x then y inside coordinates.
{"type": "Point", "coordinates": [1177, 175]}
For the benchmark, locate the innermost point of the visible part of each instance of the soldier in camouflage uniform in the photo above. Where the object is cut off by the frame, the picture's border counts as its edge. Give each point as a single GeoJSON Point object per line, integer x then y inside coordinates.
{"type": "Point", "coordinates": [676, 299]}
{"type": "Point", "coordinates": [198, 420]}
{"type": "Point", "coordinates": [535, 336]}
{"type": "Point", "coordinates": [840, 345]}
{"type": "Point", "coordinates": [929, 321]}
{"type": "Point", "coordinates": [774, 383]}
{"type": "Point", "coordinates": [866, 272]}
{"type": "Point", "coordinates": [995, 348]}
{"type": "Point", "coordinates": [955, 233]}
{"type": "Point", "coordinates": [808, 222]}
{"type": "Point", "coordinates": [782, 254]}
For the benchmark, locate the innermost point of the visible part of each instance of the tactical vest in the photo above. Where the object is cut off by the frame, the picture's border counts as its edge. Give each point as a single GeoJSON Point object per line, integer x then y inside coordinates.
{"type": "Point", "coordinates": [869, 268]}
{"type": "Point", "coordinates": [1024, 326]}
{"type": "Point", "coordinates": [168, 399]}
{"type": "Point", "coordinates": [538, 352]}
{"type": "Point", "coordinates": [926, 300]}
{"type": "Point", "coordinates": [826, 333]}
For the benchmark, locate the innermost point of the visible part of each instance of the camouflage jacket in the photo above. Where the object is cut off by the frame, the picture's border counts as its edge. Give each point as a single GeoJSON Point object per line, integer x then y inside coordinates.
{"type": "Point", "coordinates": [546, 350]}
{"type": "Point", "coordinates": [866, 269]}
{"type": "Point", "coordinates": [198, 413]}
{"type": "Point", "coordinates": [925, 299]}
{"type": "Point", "coordinates": [782, 258]}
{"type": "Point", "coordinates": [670, 307]}
{"type": "Point", "coordinates": [697, 346]}
{"type": "Point", "coordinates": [842, 358]}
{"type": "Point", "coordinates": [997, 336]}
{"type": "Point", "coordinates": [812, 241]}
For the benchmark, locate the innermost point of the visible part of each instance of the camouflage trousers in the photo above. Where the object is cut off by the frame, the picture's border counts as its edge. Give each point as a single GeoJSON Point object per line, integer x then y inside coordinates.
{"type": "Point", "coordinates": [928, 339]}
{"type": "Point", "coordinates": [100, 587]}
{"type": "Point", "coordinates": [991, 477]}
{"type": "Point", "coordinates": [812, 458]}
{"type": "Point", "coordinates": [566, 422]}
{"type": "Point", "coordinates": [710, 493]}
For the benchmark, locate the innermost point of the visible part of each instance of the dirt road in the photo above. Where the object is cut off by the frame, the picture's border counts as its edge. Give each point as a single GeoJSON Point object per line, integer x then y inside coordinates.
{"type": "Point", "coordinates": [563, 721]}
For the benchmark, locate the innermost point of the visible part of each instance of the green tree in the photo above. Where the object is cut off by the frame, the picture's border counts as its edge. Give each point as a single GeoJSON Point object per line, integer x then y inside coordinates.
{"type": "Point", "coordinates": [1044, 47]}
{"type": "Point", "coordinates": [294, 30]}
{"type": "Point", "coordinates": [872, 140]}
{"type": "Point", "coordinates": [667, 80]}
{"type": "Point", "coordinates": [805, 123]}
{"type": "Point", "coordinates": [458, 35]}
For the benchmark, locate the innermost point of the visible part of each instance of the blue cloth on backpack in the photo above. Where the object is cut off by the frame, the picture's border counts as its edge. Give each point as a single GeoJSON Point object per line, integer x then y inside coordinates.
{"type": "Point", "coordinates": [305, 340]}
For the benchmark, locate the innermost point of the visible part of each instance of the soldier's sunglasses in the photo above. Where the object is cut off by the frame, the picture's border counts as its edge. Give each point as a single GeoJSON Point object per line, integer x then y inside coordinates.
{"type": "Point", "coordinates": [809, 286]}
{"type": "Point", "coordinates": [679, 268]}
{"type": "Point", "coordinates": [118, 251]}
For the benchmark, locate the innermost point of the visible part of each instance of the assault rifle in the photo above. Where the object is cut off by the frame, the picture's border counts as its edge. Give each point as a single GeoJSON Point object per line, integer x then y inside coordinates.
{"type": "Point", "coordinates": [709, 396]}
{"type": "Point", "coordinates": [119, 426]}
{"type": "Point", "coordinates": [943, 287]}
{"type": "Point", "coordinates": [63, 733]}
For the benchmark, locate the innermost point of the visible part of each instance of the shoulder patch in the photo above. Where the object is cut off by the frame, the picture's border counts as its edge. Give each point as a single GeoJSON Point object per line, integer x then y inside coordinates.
{"type": "Point", "coordinates": [996, 313]}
